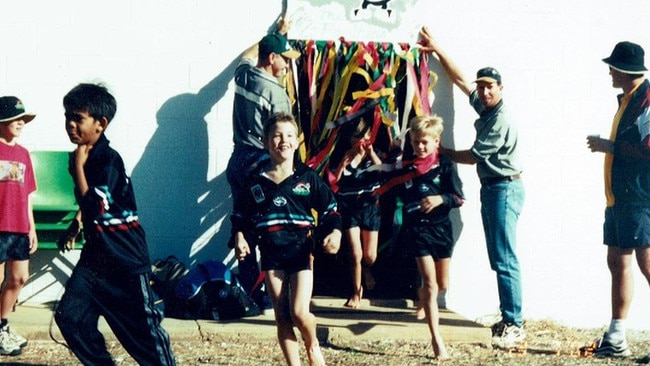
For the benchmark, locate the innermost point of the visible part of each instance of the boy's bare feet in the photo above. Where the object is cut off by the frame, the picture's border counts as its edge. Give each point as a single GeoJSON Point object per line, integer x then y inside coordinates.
{"type": "Point", "coordinates": [355, 300]}
{"type": "Point", "coordinates": [439, 350]}
{"type": "Point", "coordinates": [315, 357]}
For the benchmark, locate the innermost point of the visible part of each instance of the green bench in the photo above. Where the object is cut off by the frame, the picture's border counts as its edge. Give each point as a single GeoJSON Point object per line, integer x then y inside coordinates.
{"type": "Point", "coordinates": [53, 203]}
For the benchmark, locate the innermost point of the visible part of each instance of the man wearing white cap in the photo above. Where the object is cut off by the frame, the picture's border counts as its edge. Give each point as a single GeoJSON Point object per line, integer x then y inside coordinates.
{"type": "Point", "coordinates": [627, 190]}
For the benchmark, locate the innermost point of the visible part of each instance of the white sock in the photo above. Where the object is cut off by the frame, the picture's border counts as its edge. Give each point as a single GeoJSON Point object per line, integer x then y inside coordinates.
{"type": "Point", "coordinates": [616, 331]}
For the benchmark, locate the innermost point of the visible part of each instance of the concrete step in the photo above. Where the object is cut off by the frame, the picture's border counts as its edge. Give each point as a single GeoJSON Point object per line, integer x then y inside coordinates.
{"type": "Point", "coordinates": [374, 320]}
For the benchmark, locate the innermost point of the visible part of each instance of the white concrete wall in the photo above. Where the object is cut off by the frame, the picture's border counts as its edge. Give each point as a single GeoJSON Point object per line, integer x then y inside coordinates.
{"type": "Point", "coordinates": [170, 64]}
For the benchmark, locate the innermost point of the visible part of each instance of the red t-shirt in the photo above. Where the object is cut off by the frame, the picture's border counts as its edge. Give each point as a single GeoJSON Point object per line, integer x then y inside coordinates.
{"type": "Point", "coordinates": [17, 181]}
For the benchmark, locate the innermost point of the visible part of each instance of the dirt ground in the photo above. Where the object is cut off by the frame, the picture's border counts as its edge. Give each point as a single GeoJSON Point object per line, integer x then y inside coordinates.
{"type": "Point", "coordinates": [548, 344]}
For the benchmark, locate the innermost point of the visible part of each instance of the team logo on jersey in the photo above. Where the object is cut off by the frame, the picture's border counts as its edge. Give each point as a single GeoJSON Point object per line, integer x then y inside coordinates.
{"type": "Point", "coordinates": [280, 201]}
{"type": "Point", "coordinates": [423, 188]}
{"type": "Point", "coordinates": [302, 189]}
{"type": "Point", "coordinates": [258, 193]}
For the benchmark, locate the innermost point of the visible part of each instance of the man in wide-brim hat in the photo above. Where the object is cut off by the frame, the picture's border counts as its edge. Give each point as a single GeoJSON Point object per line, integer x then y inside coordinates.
{"type": "Point", "coordinates": [626, 231]}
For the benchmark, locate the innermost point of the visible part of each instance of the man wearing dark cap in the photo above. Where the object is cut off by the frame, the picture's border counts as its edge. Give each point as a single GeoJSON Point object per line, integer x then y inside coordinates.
{"type": "Point", "coordinates": [495, 153]}
{"type": "Point", "coordinates": [259, 94]}
{"type": "Point", "coordinates": [627, 189]}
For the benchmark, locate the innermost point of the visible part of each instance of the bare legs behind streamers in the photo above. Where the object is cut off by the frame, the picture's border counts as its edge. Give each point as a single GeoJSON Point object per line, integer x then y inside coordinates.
{"type": "Point", "coordinates": [363, 253]}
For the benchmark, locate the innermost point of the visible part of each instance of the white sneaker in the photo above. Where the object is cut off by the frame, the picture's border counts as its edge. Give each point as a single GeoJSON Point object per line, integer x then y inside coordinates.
{"type": "Point", "coordinates": [17, 338]}
{"type": "Point", "coordinates": [507, 335]}
{"type": "Point", "coordinates": [7, 346]}
{"type": "Point", "coordinates": [604, 347]}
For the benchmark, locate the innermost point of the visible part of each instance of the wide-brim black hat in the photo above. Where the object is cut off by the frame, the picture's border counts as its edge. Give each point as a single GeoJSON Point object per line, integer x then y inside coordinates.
{"type": "Point", "coordinates": [11, 109]}
{"type": "Point", "coordinates": [627, 57]}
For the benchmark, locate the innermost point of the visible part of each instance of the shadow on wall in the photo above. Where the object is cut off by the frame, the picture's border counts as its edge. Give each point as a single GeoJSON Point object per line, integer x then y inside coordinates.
{"type": "Point", "coordinates": [443, 105]}
{"type": "Point", "coordinates": [49, 271]}
{"type": "Point", "coordinates": [179, 208]}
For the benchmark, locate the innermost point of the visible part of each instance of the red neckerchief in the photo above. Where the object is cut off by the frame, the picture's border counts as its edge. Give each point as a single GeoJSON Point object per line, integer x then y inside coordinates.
{"type": "Point", "coordinates": [411, 169]}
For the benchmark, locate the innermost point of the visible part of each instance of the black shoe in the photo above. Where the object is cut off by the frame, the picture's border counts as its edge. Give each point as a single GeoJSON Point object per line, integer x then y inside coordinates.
{"type": "Point", "coordinates": [644, 360]}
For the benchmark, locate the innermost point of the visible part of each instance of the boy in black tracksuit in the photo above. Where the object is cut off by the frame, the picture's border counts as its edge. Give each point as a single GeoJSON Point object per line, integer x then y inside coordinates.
{"type": "Point", "coordinates": [112, 276]}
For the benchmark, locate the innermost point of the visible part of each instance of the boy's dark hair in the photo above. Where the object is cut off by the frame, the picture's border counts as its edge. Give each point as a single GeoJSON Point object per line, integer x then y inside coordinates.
{"type": "Point", "coordinates": [93, 99]}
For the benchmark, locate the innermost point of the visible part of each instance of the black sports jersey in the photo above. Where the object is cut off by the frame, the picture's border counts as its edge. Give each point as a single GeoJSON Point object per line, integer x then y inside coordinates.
{"type": "Point", "coordinates": [271, 210]}
{"type": "Point", "coordinates": [358, 183]}
{"type": "Point", "coordinates": [115, 241]}
{"type": "Point", "coordinates": [441, 179]}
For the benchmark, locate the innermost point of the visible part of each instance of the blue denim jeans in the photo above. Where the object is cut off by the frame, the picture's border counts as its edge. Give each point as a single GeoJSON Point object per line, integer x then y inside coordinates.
{"type": "Point", "coordinates": [501, 204]}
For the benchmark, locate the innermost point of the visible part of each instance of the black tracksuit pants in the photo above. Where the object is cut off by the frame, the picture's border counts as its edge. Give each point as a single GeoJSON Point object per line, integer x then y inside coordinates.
{"type": "Point", "coordinates": [126, 302]}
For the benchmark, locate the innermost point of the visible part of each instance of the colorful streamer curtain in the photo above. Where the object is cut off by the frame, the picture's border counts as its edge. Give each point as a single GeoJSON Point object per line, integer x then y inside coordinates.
{"type": "Point", "coordinates": [335, 84]}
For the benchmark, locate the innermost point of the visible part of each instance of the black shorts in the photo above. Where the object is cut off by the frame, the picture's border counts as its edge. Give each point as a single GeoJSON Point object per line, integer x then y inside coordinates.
{"type": "Point", "coordinates": [362, 214]}
{"type": "Point", "coordinates": [292, 253]}
{"type": "Point", "coordinates": [428, 239]}
{"type": "Point", "coordinates": [14, 246]}
{"type": "Point", "coordinates": [627, 226]}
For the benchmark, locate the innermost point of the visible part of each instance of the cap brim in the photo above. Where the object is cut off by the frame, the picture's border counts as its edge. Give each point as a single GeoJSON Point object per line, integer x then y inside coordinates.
{"type": "Point", "coordinates": [26, 117]}
{"type": "Point", "coordinates": [293, 54]}
{"type": "Point", "coordinates": [486, 79]}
